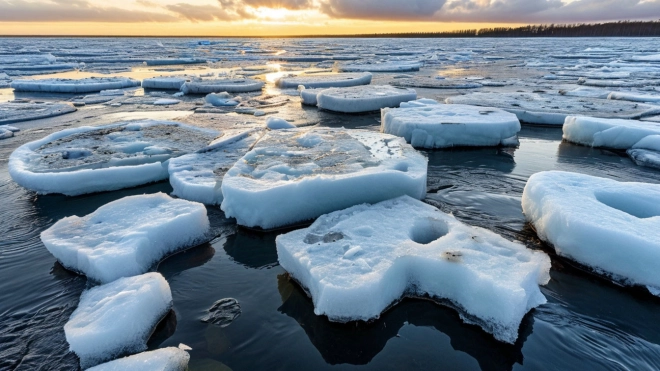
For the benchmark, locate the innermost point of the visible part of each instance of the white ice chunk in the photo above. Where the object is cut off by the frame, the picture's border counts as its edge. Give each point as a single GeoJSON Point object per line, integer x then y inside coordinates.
{"type": "Point", "coordinates": [336, 80]}
{"type": "Point", "coordinates": [363, 98]}
{"type": "Point", "coordinates": [220, 100]}
{"type": "Point", "coordinates": [166, 102]}
{"type": "Point", "coordinates": [295, 175]}
{"type": "Point", "coordinates": [609, 226]}
{"type": "Point", "coordinates": [126, 237]}
{"type": "Point", "coordinates": [634, 97]}
{"type": "Point", "coordinates": [121, 155]}
{"type": "Point", "coordinates": [165, 83]}
{"type": "Point", "coordinates": [275, 123]}
{"type": "Point", "coordinates": [166, 359]}
{"type": "Point", "coordinates": [308, 96]}
{"type": "Point", "coordinates": [221, 85]}
{"type": "Point", "coordinates": [450, 125]}
{"type": "Point", "coordinates": [645, 157]}
{"type": "Point", "coordinates": [393, 66]}
{"type": "Point", "coordinates": [118, 318]}
{"type": "Point", "coordinates": [6, 134]}
{"type": "Point", "coordinates": [609, 133]}
{"type": "Point", "coordinates": [87, 85]}
{"type": "Point", "coordinates": [357, 262]}
{"type": "Point", "coordinates": [422, 102]}
{"type": "Point", "coordinates": [584, 91]}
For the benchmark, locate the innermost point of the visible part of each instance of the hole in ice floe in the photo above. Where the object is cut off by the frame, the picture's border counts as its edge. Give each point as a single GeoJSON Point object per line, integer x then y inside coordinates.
{"type": "Point", "coordinates": [427, 230]}
{"type": "Point", "coordinates": [637, 205]}
{"type": "Point", "coordinates": [403, 167]}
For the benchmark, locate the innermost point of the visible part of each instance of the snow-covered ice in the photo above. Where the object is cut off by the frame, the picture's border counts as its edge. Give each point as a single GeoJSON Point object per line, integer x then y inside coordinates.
{"type": "Point", "coordinates": [434, 83]}
{"type": "Point", "coordinates": [117, 318]}
{"type": "Point", "coordinates": [551, 109]}
{"type": "Point", "coordinates": [357, 262]}
{"type": "Point", "coordinates": [392, 66]}
{"type": "Point", "coordinates": [313, 81]}
{"type": "Point", "coordinates": [126, 237]}
{"type": "Point", "coordinates": [6, 134]}
{"type": "Point", "coordinates": [308, 96]}
{"type": "Point", "coordinates": [634, 97]}
{"type": "Point", "coordinates": [166, 102]}
{"type": "Point", "coordinates": [17, 112]}
{"type": "Point", "coordinates": [87, 85]}
{"type": "Point", "coordinates": [585, 91]}
{"type": "Point", "coordinates": [164, 83]}
{"type": "Point", "coordinates": [198, 176]}
{"type": "Point", "coordinates": [294, 175]}
{"type": "Point", "coordinates": [610, 133]}
{"type": "Point", "coordinates": [275, 123]}
{"type": "Point", "coordinates": [365, 98]}
{"type": "Point", "coordinates": [220, 100]}
{"type": "Point", "coordinates": [165, 359]}
{"type": "Point", "coordinates": [105, 158]}
{"type": "Point", "coordinates": [612, 227]}
{"type": "Point", "coordinates": [450, 125]}
{"type": "Point", "coordinates": [221, 85]}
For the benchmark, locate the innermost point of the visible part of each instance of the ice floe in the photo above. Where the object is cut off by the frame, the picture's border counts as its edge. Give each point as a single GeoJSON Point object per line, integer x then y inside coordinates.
{"type": "Point", "coordinates": [87, 85]}
{"type": "Point", "coordinates": [173, 61]}
{"type": "Point", "coordinates": [18, 112]}
{"type": "Point", "coordinates": [363, 98]}
{"type": "Point", "coordinates": [610, 133]}
{"type": "Point", "coordinates": [336, 80]}
{"type": "Point", "coordinates": [6, 134]}
{"type": "Point", "coordinates": [221, 85]}
{"type": "Point", "coordinates": [318, 171]}
{"type": "Point", "coordinates": [126, 237]}
{"type": "Point", "coordinates": [435, 83]}
{"type": "Point", "coordinates": [612, 227]}
{"type": "Point", "coordinates": [223, 99]}
{"type": "Point", "coordinates": [117, 318]}
{"type": "Point", "coordinates": [357, 262]}
{"type": "Point", "coordinates": [105, 158]}
{"type": "Point", "coordinates": [166, 102]}
{"type": "Point", "coordinates": [308, 96]}
{"type": "Point", "coordinates": [634, 97]}
{"type": "Point", "coordinates": [392, 66]}
{"type": "Point", "coordinates": [275, 123]}
{"type": "Point", "coordinates": [450, 125]}
{"type": "Point", "coordinates": [165, 359]}
{"type": "Point", "coordinates": [164, 83]}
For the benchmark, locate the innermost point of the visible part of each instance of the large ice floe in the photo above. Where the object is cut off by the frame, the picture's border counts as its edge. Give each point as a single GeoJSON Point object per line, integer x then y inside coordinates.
{"type": "Point", "coordinates": [391, 66]}
{"type": "Point", "coordinates": [634, 97]}
{"type": "Point", "coordinates": [450, 125]}
{"type": "Point", "coordinates": [17, 112]}
{"type": "Point", "coordinates": [126, 237]}
{"type": "Point", "coordinates": [87, 85]}
{"type": "Point", "coordinates": [611, 227]}
{"type": "Point", "coordinates": [358, 262]}
{"type": "Point", "coordinates": [117, 318]}
{"type": "Point", "coordinates": [164, 82]}
{"type": "Point", "coordinates": [551, 109]}
{"type": "Point", "coordinates": [335, 80]}
{"type": "Point", "coordinates": [221, 85]}
{"type": "Point", "coordinates": [166, 359]}
{"type": "Point", "coordinates": [294, 175]}
{"type": "Point", "coordinates": [198, 176]}
{"type": "Point", "coordinates": [435, 83]}
{"type": "Point", "coordinates": [105, 158]}
{"type": "Point", "coordinates": [366, 98]}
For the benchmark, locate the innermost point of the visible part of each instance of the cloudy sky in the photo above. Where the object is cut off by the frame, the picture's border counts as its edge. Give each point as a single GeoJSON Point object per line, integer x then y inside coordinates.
{"type": "Point", "coordinates": [282, 17]}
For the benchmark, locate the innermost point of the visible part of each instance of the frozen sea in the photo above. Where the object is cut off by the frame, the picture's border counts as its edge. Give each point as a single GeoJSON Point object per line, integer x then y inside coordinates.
{"type": "Point", "coordinates": [588, 322]}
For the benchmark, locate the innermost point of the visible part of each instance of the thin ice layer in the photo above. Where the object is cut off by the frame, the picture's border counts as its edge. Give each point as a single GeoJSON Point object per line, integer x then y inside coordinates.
{"type": "Point", "coordinates": [166, 359]}
{"type": "Point", "coordinates": [87, 85]}
{"type": "Point", "coordinates": [616, 134]}
{"type": "Point", "coordinates": [221, 85]}
{"type": "Point", "coordinates": [391, 66]}
{"type": "Point", "coordinates": [434, 83]}
{"type": "Point", "coordinates": [334, 80]}
{"type": "Point", "coordinates": [105, 158]}
{"type": "Point", "coordinates": [118, 318]}
{"type": "Point", "coordinates": [126, 237]}
{"type": "Point", "coordinates": [612, 227]}
{"type": "Point", "coordinates": [363, 98]}
{"type": "Point", "coordinates": [450, 125]}
{"type": "Point", "coordinates": [17, 112]}
{"type": "Point", "coordinates": [294, 175]}
{"type": "Point", "coordinates": [357, 262]}
{"type": "Point", "coordinates": [198, 176]}
{"type": "Point", "coordinates": [547, 109]}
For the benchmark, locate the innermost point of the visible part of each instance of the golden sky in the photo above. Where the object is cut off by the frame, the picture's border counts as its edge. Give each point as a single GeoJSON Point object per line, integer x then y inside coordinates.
{"type": "Point", "coordinates": [300, 17]}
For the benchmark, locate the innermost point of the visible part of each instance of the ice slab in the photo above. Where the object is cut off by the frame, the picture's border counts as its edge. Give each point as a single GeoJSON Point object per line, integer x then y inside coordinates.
{"type": "Point", "coordinates": [6, 134]}
{"type": "Point", "coordinates": [434, 83]}
{"type": "Point", "coordinates": [87, 85]}
{"type": "Point", "coordinates": [220, 100]}
{"type": "Point", "coordinates": [173, 61]}
{"type": "Point", "coordinates": [308, 96]}
{"type": "Point", "coordinates": [634, 97]}
{"type": "Point", "coordinates": [105, 158]}
{"type": "Point", "coordinates": [645, 157]}
{"type": "Point", "coordinates": [317, 171]}
{"type": "Point", "coordinates": [118, 318]}
{"type": "Point", "coordinates": [335, 80]}
{"type": "Point", "coordinates": [551, 109]}
{"type": "Point", "coordinates": [275, 123]}
{"type": "Point", "coordinates": [609, 133]}
{"type": "Point", "coordinates": [402, 66]}
{"type": "Point", "coordinates": [198, 176]}
{"type": "Point", "coordinates": [612, 227]}
{"type": "Point", "coordinates": [166, 102]}
{"type": "Point", "coordinates": [221, 85]}
{"type": "Point", "coordinates": [17, 112]}
{"type": "Point", "coordinates": [363, 98]}
{"type": "Point", "coordinates": [450, 125]}
{"type": "Point", "coordinates": [584, 91]}
{"type": "Point", "coordinates": [166, 359]}
{"type": "Point", "coordinates": [616, 83]}
{"type": "Point", "coordinates": [358, 262]}
{"type": "Point", "coordinates": [164, 83]}
{"type": "Point", "coordinates": [126, 237]}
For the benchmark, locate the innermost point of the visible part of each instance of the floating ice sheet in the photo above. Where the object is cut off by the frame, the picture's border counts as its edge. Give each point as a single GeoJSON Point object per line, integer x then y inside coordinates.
{"type": "Point", "coordinates": [357, 262]}
{"type": "Point", "coordinates": [295, 175]}
{"type": "Point", "coordinates": [610, 133]}
{"type": "Point", "coordinates": [166, 359]}
{"type": "Point", "coordinates": [164, 83]}
{"type": "Point", "coordinates": [95, 159]}
{"type": "Point", "coordinates": [324, 81]}
{"type": "Point", "coordinates": [87, 85]}
{"type": "Point", "coordinates": [221, 85]}
{"type": "Point", "coordinates": [634, 97]}
{"type": "Point", "coordinates": [17, 112]}
{"type": "Point", "coordinates": [433, 83]}
{"type": "Point", "coordinates": [450, 125]}
{"type": "Point", "coordinates": [118, 318]}
{"type": "Point", "coordinates": [363, 98]}
{"type": "Point", "coordinates": [393, 66]}
{"type": "Point", "coordinates": [609, 226]}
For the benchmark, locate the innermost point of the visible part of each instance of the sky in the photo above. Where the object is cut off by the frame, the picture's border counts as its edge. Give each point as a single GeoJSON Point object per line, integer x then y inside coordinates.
{"type": "Point", "coordinates": [301, 17]}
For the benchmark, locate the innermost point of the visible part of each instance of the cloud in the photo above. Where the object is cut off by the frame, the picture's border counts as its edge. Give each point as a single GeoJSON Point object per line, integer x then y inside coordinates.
{"type": "Point", "coordinates": [382, 9]}
{"type": "Point", "coordinates": [207, 13]}
{"type": "Point", "coordinates": [73, 11]}
{"type": "Point", "coordinates": [287, 4]}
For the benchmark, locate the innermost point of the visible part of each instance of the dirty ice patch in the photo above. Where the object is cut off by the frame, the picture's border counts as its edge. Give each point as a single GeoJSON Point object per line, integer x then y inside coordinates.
{"type": "Point", "coordinates": [126, 237]}
{"type": "Point", "coordinates": [17, 112]}
{"type": "Point", "coordinates": [198, 176]}
{"type": "Point", "coordinates": [118, 318]}
{"type": "Point", "coordinates": [357, 262]}
{"type": "Point", "coordinates": [105, 158]}
{"type": "Point", "coordinates": [363, 98]}
{"type": "Point", "coordinates": [166, 359]}
{"type": "Point", "coordinates": [612, 227]}
{"type": "Point", "coordinates": [88, 85]}
{"type": "Point", "coordinates": [551, 109]}
{"type": "Point", "coordinates": [221, 85]}
{"type": "Point", "coordinates": [317, 171]}
{"type": "Point", "coordinates": [335, 80]}
{"type": "Point", "coordinates": [450, 125]}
